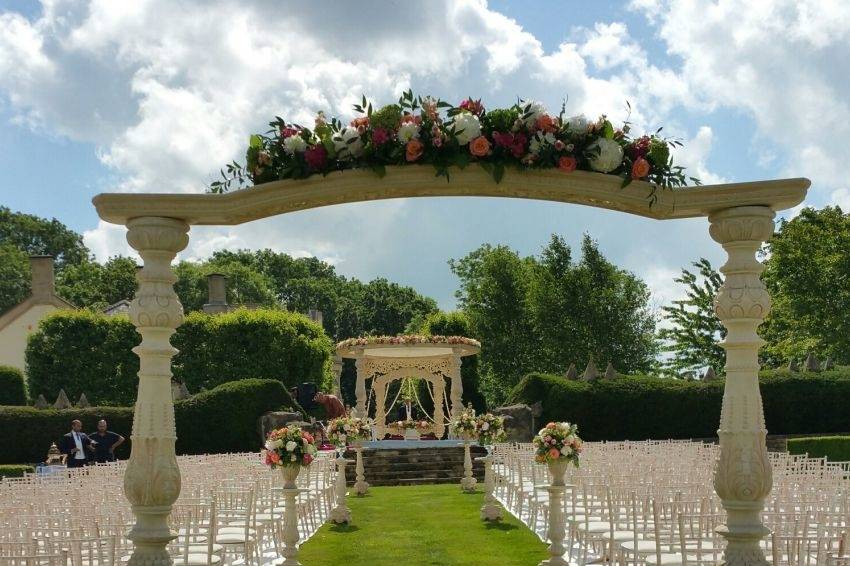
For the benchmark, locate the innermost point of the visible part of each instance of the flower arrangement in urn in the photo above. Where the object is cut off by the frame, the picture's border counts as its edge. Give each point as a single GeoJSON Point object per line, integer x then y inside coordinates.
{"type": "Point", "coordinates": [348, 429]}
{"type": "Point", "coordinates": [466, 425]}
{"type": "Point", "coordinates": [490, 429]}
{"type": "Point", "coordinates": [558, 442]}
{"type": "Point", "coordinates": [289, 447]}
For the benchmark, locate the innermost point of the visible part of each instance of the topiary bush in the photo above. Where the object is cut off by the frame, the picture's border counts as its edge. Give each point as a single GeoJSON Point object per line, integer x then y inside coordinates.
{"type": "Point", "coordinates": [91, 353]}
{"type": "Point", "coordinates": [84, 352]}
{"type": "Point", "coordinates": [266, 344]}
{"type": "Point", "coordinates": [224, 419]}
{"type": "Point", "coordinates": [645, 407]}
{"type": "Point", "coordinates": [835, 448]}
{"type": "Point", "coordinates": [13, 390]}
{"type": "Point", "coordinates": [15, 470]}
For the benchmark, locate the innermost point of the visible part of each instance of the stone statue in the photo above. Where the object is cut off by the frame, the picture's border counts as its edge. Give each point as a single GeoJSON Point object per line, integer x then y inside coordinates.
{"type": "Point", "coordinates": [571, 374]}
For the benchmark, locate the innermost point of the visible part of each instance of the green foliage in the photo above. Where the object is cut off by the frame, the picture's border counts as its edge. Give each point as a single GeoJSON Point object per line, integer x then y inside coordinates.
{"type": "Point", "coordinates": [35, 429]}
{"type": "Point", "coordinates": [13, 389]}
{"type": "Point", "coordinates": [267, 344]}
{"type": "Point", "coordinates": [38, 236]}
{"type": "Point", "coordinates": [246, 285]}
{"type": "Point", "coordinates": [501, 119]}
{"type": "Point", "coordinates": [15, 470]}
{"type": "Point", "coordinates": [96, 286]}
{"type": "Point", "coordinates": [14, 276]}
{"type": "Point", "coordinates": [834, 448]}
{"type": "Point", "coordinates": [387, 117]}
{"type": "Point", "coordinates": [543, 313]}
{"type": "Point", "coordinates": [695, 331]}
{"type": "Point", "coordinates": [457, 324]}
{"type": "Point", "coordinates": [224, 419]}
{"type": "Point", "coordinates": [807, 272]}
{"type": "Point", "coordinates": [648, 407]}
{"type": "Point", "coordinates": [84, 352]}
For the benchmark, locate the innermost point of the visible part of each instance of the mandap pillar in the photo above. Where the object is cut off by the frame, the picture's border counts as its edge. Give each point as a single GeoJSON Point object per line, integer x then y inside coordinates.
{"type": "Point", "coordinates": [152, 478]}
{"type": "Point", "coordinates": [439, 417]}
{"type": "Point", "coordinates": [456, 393]}
{"type": "Point", "coordinates": [336, 369]}
{"type": "Point", "coordinates": [380, 388]}
{"type": "Point", "coordinates": [742, 476]}
{"type": "Point", "coordinates": [360, 387]}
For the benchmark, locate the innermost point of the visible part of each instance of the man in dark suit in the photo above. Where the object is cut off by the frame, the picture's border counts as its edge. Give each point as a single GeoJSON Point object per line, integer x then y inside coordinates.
{"type": "Point", "coordinates": [76, 446]}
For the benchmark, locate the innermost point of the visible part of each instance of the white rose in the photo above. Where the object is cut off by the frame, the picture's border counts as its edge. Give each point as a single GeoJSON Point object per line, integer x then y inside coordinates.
{"type": "Point", "coordinates": [294, 144]}
{"type": "Point", "coordinates": [407, 132]}
{"type": "Point", "coordinates": [540, 141]}
{"type": "Point", "coordinates": [276, 444]}
{"type": "Point", "coordinates": [531, 111]}
{"type": "Point", "coordinates": [609, 157]}
{"type": "Point", "coordinates": [578, 123]}
{"type": "Point", "coordinates": [347, 143]}
{"type": "Point", "coordinates": [347, 428]}
{"type": "Point", "coordinates": [467, 127]}
{"type": "Point", "coordinates": [269, 445]}
{"type": "Point", "coordinates": [485, 426]}
{"type": "Point", "coordinates": [342, 437]}
{"type": "Point", "coordinates": [291, 445]}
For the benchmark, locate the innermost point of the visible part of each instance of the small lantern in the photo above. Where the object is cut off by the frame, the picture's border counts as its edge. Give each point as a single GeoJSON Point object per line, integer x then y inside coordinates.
{"type": "Point", "coordinates": [54, 457]}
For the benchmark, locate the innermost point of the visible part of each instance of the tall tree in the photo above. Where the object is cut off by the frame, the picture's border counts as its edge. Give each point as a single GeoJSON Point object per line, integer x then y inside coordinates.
{"type": "Point", "coordinates": [94, 285]}
{"type": "Point", "coordinates": [245, 285]}
{"type": "Point", "coordinates": [807, 271]}
{"type": "Point", "coordinates": [14, 276]}
{"type": "Point", "coordinates": [693, 337]}
{"type": "Point", "coordinates": [37, 236]}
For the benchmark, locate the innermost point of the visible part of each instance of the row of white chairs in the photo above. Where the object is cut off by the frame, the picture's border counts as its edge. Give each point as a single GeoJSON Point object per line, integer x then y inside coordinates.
{"type": "Point", "coordinates": [653, 503]}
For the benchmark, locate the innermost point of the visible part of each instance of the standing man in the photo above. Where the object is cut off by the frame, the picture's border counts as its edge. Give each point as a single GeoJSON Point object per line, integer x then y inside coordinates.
{"type": "Point", "coordinates": [105, 442]}
{"type": "Point", "coordinates": [75, 446]}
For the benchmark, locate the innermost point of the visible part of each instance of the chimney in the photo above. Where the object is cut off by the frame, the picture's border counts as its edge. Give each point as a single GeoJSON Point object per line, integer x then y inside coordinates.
{"type": "Point", "coordinates": [217, 298]}
{"type": "Point", "coordinates": [43, 285]}
{"type": "Point", "coordinates": [315, 315]}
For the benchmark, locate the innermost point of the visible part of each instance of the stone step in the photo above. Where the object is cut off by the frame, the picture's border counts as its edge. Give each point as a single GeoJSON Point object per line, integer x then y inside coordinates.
{"type": "Point", "coordinates": [413, 466]}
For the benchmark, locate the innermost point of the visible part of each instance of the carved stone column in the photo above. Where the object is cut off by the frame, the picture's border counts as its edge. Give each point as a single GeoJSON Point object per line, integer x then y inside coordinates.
{"type": "Point", "coordinates": [742, 477]}
{"type": "Point", "coordinates": [360, 387]}
{"type": "Point", "coordinates": [336, 368]}
{"type": "Point", "coordinates": [439, 416]}
{"type": "Point", "coordinates": [152, 479]}
{"type": "Point", "coordinates": [380, 389]}
{"type": "Point", "coordinates": [457, 386]}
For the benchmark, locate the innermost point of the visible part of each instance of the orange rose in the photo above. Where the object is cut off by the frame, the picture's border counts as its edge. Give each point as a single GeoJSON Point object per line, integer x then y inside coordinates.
{"type": "Point", "coordinates": [567, 164]}
{"type": "Point", "coordinates": [479, 147]}
{"type": "Point", "coordinates": [413, 150]}
{"type": "Point", "coordinates": [546, 123]}
{"type": "Point", "coordinates": [640, 169]}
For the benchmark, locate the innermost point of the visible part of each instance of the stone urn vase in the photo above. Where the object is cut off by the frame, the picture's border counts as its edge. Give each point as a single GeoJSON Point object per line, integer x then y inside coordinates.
{"type": "Point", "coordinates": [557, 470]}
{"type": "Point", "coordinates": [290, 474]}
{"type": "Point", "coordinates": [411, 434]}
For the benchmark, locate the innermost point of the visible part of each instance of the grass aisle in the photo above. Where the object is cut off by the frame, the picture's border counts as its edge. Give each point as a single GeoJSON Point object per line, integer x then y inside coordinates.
{"type": "Point", "coordinates": [426, 525]}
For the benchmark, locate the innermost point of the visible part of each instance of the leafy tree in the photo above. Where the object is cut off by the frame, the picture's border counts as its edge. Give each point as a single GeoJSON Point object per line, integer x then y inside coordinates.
{"type": "Point", "coordinates": [37, 236]}
{"type": "Point", "coordinates": [96, 286]}
{"type": "Point", "coordinates": [807, 271]}
{"type": "Point", "coordinates": [245, 285]}
{"type": "Point", "coordinates": [14, 276]}
{"type": "Point", "coordinates": [695, 331]}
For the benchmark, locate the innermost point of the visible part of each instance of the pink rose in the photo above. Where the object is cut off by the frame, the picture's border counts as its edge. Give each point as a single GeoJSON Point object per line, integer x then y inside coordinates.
{"type": "Point", "coordinates": [307, 459]}
{"type": "Point", "coordinates": [380, 136]}
{"type": "Point", "coordinates": [316, 157]}
{"type": "Point", "coordinates": [554, 454]}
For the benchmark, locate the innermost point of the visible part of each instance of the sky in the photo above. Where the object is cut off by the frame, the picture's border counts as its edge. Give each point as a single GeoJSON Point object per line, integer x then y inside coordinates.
{"type": "Point", "coordinates": [155, 95]}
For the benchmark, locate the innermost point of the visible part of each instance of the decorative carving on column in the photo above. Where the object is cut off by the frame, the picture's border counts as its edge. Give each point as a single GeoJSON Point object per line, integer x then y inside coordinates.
{"type": "Point", "coordinates": [742, 476]}
{"type": "Point", "coordinates": [439, 416]}
{"type": "Point", "coordinates": [152, 479]}
{"type": "Point", "coordinates": [336, 368]}
{"type": "Point", "coordinates": [380, 389]}
{"type": "Point", "coordinates": [360, 387]}
{"type": "Point", "coordinates": [456, 385]}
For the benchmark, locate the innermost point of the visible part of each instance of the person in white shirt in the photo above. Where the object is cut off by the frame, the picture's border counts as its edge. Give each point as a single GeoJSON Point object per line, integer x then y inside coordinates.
{"type": "Point", "coordinates": [76, 445]}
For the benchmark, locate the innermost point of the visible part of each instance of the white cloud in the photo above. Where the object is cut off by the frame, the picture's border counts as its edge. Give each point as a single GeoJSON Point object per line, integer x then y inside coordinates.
{"type": "Point", "coordinates": [841, 197]}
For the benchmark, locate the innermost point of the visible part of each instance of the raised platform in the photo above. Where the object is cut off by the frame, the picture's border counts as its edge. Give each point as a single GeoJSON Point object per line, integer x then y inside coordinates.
{"type": "Point", "coordinates": [396, 444]}
{"type": "Point", "coordinates": [412, 462]}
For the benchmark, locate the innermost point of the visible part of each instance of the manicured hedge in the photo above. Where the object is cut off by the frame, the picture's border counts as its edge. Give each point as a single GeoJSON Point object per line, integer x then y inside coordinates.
{"type": "Point", "coordinates": [266, 344]}
{"type": "Point", "coordinates": [15, 470]}
{"type": "Point", "coordinates": [835, 448]}
{"type": "Point", "coordinates": [223, 419]}
{"type": "Point", "coordinates": [91, 353]}
{"type": "Point", "coordinates": [644, 407]}
{"type": "Point", "coordinates": [13, 390]}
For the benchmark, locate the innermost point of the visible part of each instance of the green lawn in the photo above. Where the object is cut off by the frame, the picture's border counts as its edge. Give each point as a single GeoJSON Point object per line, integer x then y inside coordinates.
{"type": "Point", "coordinates": [421, 526]}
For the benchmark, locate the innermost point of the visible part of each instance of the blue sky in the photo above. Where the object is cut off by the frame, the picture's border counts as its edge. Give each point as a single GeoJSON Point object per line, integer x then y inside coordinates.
{"type": "Point", "coordinates": [149, 96]}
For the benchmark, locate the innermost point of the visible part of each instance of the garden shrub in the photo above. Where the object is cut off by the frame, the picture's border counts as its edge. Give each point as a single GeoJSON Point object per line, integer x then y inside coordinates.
{"type": "Point", "coordinates": [224, 419]}
{"type": "Point", "coordinates": [645, 407]}
{"type": "Point", "coordinates": [13, 390]}
{"type": "Point", "coordinates": [15, 470]}
{"type": "Point", "coordinates": [835, 448]}
{"type": "Point", "coordinates": [91, 353]}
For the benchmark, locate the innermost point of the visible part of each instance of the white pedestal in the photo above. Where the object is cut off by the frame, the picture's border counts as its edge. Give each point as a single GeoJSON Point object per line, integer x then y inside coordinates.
{"type": "Point", "coordinates": [491, 510]}
{"type": "Point", "coordinates": [360, 485]}
{"type": "Point", "coordinates": [468, 482]}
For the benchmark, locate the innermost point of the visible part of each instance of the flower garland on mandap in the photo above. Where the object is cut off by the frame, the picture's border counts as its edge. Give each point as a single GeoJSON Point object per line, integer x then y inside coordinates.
{"type": "Point", "coordinates": [408, 339]}
{"type": "Point", "coordinates": [288, 446]}
{"type": "Point", "coordinates": [431, 131]}
{"type": "Point", "coordinates": [344, 430]}
{"type": "Point", "coordinates": [557, 441]}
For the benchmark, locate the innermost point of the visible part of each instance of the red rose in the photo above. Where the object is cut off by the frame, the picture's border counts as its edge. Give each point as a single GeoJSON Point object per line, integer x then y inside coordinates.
{"type": "Point", "coordinates": [567, 164]}
{"type": "Point", "coordinates": [316, 157]}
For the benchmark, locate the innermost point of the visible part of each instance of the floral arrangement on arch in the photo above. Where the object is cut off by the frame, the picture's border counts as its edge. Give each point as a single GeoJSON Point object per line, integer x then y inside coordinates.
{"type": "Point", "coordinates": [348, 429]}
{"type": "Point", "coordinates": [289, 446]}
{"type": "Point", "coordinates": [429, 130]}
{"type": "Point", "coordinates": [490, 429]}
{"type": "Point", "coordinates": [466, 424]}
{"type": "Point", "coordinates": [408, 339]}
{"type": "Point", "coordinates": [557, 441]}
